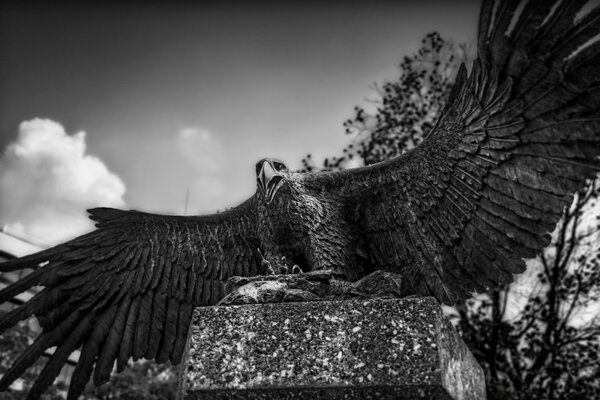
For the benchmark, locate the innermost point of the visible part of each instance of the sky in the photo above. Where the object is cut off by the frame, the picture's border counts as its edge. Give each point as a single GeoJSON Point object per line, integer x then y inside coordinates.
{"type": "Point", "coordinates": [135, 104]}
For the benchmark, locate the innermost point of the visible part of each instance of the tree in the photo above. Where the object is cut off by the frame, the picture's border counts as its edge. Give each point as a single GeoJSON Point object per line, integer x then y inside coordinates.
{"type": "Point", "coordinates": [540, 342]}
{"type": "Point", "coordinates": [405, 109]}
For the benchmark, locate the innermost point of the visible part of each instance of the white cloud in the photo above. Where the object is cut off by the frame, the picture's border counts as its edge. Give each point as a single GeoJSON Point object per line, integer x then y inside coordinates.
{"type": "Point", "coordinates": [47, 181]}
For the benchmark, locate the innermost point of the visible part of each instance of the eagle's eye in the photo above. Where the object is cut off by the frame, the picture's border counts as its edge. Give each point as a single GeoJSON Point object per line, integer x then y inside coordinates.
{"type": "Point", "coordinates": [279, 166]}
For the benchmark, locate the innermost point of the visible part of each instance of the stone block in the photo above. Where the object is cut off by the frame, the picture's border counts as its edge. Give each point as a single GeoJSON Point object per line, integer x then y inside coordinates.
{"type": "Point", "coordinates": [352, 349]}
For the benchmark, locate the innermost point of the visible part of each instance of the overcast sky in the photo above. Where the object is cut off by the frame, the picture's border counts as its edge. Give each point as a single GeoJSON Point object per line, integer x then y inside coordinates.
{"type": "Point", "coordinates": [132, 105]}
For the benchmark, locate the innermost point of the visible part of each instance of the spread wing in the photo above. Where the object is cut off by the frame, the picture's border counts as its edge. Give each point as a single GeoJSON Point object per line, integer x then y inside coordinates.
{"type": "Point", "coordinates": [127, 289]}
{"type": "Point", "coordinates": [517, 138]}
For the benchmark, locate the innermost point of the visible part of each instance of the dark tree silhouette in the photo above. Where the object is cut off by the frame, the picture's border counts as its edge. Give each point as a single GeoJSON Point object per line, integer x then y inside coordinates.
{"type": "Point", "coordinates": [538, 338]}
{"type": "Point", "coordinates": [405, 109]}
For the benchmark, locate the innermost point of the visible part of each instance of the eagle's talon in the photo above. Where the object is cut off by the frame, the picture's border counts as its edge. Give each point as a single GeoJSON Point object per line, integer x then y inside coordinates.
{"type": "Point", "coordinates": [296, 269]}
{"type": "Point", "coordinates": [266, 264]}
{"type": "Point", "coordinates": [286, 269]}
{"type": "Point", "coordinates": [267, 267]}
{"type": "Point", "coordinates": [283, 268]}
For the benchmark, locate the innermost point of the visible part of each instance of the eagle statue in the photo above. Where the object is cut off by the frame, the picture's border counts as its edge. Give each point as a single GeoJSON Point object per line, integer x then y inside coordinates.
{"type": "Point", "coordinates": [458, 214]}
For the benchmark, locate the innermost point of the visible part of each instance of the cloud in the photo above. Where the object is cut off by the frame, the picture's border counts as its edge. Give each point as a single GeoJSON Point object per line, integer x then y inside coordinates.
{"type": "Point", "coordinates": [47, 181]}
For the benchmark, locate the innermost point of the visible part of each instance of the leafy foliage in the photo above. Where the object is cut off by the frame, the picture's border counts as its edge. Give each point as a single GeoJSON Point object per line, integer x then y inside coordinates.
{"type": "Point", "coordinates": [540, 337]}
{"type": "Point", "coordinates": [406, 109]}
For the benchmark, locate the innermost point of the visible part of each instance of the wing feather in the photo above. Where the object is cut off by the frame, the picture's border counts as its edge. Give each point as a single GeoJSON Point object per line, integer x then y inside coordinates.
{"type": "Point", "coordinates": [168, 337]}
{"type": "Point", "coordinates": [60, 356]}
{"type": "Point", "coordinates": [126, 290]}
{"type": "Point", "coordinates": [39, 346]}
{"type": "Point", "coordinates": [158, 320]}
{"type": "Point", "coordinates": [90, 350]}
{"type": "Point", "coordinates": [142, 326]}
{"type": "Point", "coordinates": [519, 135]}
{"type": "Point", "coordinates": [184, 318]}
{"type": "Point", "coordinates": [125, 342]}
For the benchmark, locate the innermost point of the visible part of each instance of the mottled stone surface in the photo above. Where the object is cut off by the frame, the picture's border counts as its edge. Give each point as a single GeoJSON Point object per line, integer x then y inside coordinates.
{"type": "Point", "coordinates": [353, 349]}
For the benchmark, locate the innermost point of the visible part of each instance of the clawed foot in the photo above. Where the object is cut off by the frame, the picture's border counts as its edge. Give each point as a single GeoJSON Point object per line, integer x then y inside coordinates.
{"type": "Point", "coordinates": [282, 268]}
{"type": "Point", "coordinates": [316, 285]}
{"type": "Point", "coordinates": [310, 286]}
{"type": "Point", "coordinates": [286, 269]}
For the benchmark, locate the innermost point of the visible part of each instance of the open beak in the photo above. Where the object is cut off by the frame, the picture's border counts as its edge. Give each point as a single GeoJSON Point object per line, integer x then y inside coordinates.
{"type": "Point", "coordinates": [268, 180]}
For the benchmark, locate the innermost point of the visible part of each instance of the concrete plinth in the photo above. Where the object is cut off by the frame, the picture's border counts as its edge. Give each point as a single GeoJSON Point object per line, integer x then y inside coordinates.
{"type": "Point", "coordinates": [355, 349]}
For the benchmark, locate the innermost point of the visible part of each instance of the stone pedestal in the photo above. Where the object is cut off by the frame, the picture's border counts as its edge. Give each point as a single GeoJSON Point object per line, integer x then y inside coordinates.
{"type": "Point", "coordinates": [354, 349]}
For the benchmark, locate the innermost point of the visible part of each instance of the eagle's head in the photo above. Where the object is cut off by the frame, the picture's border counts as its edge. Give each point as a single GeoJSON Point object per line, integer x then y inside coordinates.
{"type": "Point", "coordinates": [270, 175]}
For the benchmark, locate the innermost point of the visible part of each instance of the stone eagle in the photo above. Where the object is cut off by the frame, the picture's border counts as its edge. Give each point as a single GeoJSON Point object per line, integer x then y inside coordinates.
{"type": "Point", "coordinates": [455, 215]}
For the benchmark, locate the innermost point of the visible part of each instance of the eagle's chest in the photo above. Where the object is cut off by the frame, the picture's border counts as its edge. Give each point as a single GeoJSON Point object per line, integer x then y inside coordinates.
{"type": "Point", "coordinates": [291, 218]}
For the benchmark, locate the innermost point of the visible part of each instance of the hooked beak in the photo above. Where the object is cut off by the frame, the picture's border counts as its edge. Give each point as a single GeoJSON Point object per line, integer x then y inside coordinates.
{"type": "Point", "coordinates": [268, 180]}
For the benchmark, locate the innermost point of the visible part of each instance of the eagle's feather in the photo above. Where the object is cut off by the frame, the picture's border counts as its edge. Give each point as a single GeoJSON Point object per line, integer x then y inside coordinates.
{"type": "Point", "coordinates": [127, 289]}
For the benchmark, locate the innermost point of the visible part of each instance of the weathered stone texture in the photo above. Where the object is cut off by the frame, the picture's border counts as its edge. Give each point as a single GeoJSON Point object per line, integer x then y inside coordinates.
{"type": "Point", "coordinates": [359, 349]}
